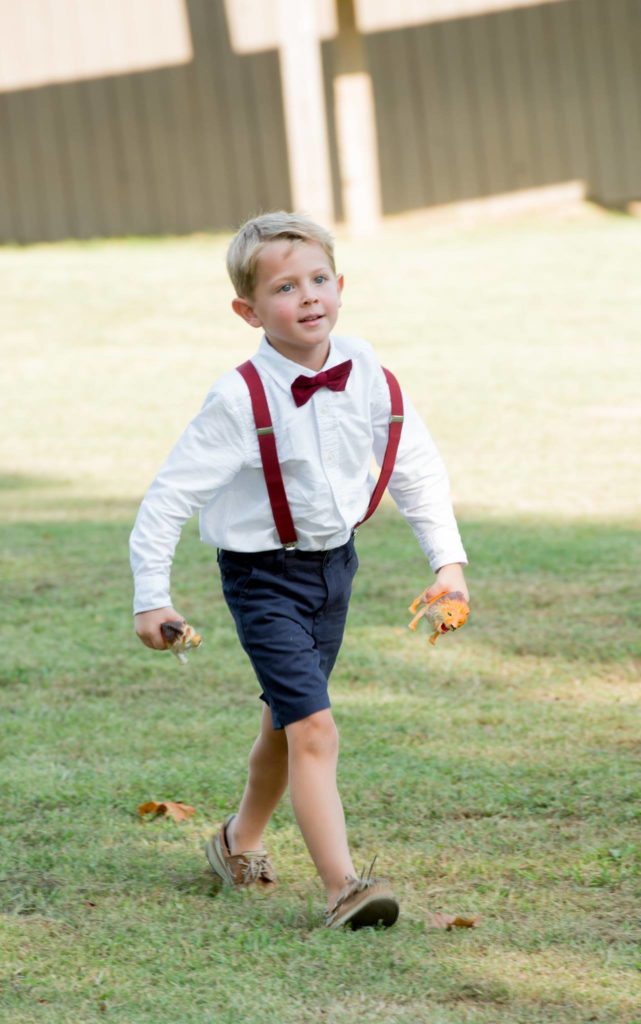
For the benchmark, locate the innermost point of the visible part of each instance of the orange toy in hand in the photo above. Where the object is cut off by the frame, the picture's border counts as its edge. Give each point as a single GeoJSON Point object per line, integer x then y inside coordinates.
{"type": "Point", "coordinates": [181, 637]}
{"type": "Point", "coordinates": [446, 611]}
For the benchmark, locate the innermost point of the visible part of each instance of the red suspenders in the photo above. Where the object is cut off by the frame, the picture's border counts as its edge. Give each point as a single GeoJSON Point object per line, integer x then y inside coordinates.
{"type": "Point", "coordinates": [269, 455]}
{"type": "Point", "coordinates": [393, 438]}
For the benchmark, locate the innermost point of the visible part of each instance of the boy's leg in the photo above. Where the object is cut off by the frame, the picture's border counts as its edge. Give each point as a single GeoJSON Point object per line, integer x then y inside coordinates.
{"type": "Point", "coordinates": [266, 783]}
{"type": "Point", "coordinates": [313, 756]}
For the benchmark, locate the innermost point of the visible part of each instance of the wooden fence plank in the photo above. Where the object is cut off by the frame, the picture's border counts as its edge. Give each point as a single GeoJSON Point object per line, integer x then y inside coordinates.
{"type": "Point", "coordinates": [434, 80]}
{"type": "Point", "coordinates": [233, 85]}
{"type": "Point", "coordinates": [183, 129]}
{"type": "Point", "coordinates": [621, 22]}
{"type": "Point", "coordinates": [109, 195]}
{"type": "Point", "coordinates": [395, 125]}
{"type": "Point", "coordinates": [542, 105]}
{"type": "Point", "coordinates": [461, 116]}
{"type": "Point", "coordinates": [386, 126]}
{"type": "Point", "coordinates": [572, 95]}
{"type": "Point", "coordinates": [75, 124]}
{"type": "Point", "coordinates": [551, 43]}
{"type": "Point", "coordinates": [605, 159]}
{"type": "Point", "coordinates": [477, 132]}
{"type": "Point", "coordinates": [30, 200]}
{"type": "Point", "coordinates": [431, 136]}
{"type": "Point", "coordinates": [218, 186]}
{"type": "Point", "coordinates": [402, 86]}
{"type": "Point", "coordinates": [492, 102]}
{"type": "Point", "coordinates": [630, 31]}
{"type": "Point", "coordinates": [522, 156]}
{"type": "Point", "coordinates": [273, 184]}
{"type": "Point", "coordinates": [10, 227]}
{"type": "Point", "coordinates": [41, 114]}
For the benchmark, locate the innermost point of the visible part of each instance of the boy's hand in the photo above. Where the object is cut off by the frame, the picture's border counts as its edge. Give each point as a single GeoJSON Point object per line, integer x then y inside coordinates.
{"type": "Point", "coordinates": [448, 578]}
{"type": "Point", "coordinates": [147, 625]}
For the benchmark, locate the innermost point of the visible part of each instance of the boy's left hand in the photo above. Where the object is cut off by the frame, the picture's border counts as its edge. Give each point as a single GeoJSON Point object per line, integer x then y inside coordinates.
{"type": "Point", "coordinates": [448, 578]}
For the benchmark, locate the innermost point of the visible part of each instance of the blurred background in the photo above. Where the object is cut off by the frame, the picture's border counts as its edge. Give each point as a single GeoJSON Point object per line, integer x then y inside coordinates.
{"type": "Point", "coordinates": [479, 161]}
{"type": "Point", "coordinates": [178, 116]}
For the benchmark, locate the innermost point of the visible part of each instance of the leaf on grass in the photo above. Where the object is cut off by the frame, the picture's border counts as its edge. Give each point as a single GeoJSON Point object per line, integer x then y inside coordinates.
{"type": "Point", "coordinates": [449, 921]}
{"type": "Point", "coordinates": [167, 809]}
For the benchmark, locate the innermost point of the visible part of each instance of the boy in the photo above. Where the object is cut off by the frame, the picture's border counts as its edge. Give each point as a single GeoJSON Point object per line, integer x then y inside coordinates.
{"type": "Point", "coordinates": [282, 519]}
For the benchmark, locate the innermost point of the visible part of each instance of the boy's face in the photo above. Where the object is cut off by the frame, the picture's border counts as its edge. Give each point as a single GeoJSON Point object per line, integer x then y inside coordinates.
{"type": "Point", "coordinates": [296, 300]}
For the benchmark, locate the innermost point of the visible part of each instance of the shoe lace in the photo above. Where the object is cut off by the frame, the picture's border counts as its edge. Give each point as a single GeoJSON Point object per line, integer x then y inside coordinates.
{"type": "Point", "coordinates": [352, 885]}
{"type": "Point", "coordinates": [255, 867]}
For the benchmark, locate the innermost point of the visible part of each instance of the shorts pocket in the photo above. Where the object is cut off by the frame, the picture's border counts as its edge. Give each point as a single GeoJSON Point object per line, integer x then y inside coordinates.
{"type": "Point", "coordinates": [352, 562]}
{"type": "Point", "coordinates": [236, 579]}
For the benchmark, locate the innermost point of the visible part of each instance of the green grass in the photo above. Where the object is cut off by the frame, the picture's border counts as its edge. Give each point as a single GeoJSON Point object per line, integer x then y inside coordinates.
{"type": "Point", "coordinates": [497, 774]}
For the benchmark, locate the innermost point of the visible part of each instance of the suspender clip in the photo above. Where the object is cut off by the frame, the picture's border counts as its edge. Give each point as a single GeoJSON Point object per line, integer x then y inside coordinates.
{"type": "Point", "coordinates": [261, 431]}
{"type": "Point", "coordinates": [396, 419]}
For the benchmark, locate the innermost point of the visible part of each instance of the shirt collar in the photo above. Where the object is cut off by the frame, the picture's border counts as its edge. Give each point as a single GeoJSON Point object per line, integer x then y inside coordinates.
{"type": "Point", "coordinates": [284, 371]}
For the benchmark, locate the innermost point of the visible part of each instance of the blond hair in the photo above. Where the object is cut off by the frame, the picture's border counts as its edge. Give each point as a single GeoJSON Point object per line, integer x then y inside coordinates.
{"type": "Point", "coordinates": [249, 241]}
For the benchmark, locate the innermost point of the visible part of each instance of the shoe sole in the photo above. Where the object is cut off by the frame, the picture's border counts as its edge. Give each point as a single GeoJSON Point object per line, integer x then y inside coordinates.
{"type": "Point", "coordinates": [216, 863]}
{"type": "Point", "coordinates": [379, 910]}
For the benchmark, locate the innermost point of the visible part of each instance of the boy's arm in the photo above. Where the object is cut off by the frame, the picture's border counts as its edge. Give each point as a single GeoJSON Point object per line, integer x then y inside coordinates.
{"type": "Point", "coordinates": [420, 488]}
{"type": "Point", "coordinates": [206, 457]}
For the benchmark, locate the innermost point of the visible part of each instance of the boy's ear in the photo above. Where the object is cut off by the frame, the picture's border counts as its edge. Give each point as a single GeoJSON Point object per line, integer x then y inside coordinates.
{"type": "Point", "coordinates": [340, 281]}
{"type": "Point", "coordinates": [245, 311]}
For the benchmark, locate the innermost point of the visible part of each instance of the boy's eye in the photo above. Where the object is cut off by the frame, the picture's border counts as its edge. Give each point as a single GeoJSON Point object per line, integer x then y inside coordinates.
{"type": "Point", "coordinates": [320, 278]}
{"type": "Point", "coordinates": [285, 287]}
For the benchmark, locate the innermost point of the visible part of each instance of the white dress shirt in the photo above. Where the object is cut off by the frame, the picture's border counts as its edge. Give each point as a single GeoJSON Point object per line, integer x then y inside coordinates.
{"type": "Point", "coordinates": [324, 449]}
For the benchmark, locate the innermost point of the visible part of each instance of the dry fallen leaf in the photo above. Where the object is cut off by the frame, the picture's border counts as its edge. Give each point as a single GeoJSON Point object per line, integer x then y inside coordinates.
{"type": "Point", "coordinates": [168, 809]}
{"type": "Point", "coordinates": [449, 921]}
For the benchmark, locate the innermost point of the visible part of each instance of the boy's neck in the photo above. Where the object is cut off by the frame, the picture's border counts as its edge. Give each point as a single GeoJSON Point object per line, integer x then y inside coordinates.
{"type": "Point", "coordinates": [315, 359]}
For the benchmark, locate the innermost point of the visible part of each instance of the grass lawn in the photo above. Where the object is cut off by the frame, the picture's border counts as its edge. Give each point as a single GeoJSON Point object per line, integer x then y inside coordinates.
{"type": "Point", "coordinates": [498, 774]}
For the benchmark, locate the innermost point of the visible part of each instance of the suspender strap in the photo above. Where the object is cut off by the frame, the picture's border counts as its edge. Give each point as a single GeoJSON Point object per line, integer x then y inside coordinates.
{"type": "Point", "coordinates": [393, 439]}
{"type": "Point", "coordinates": [269, 455]}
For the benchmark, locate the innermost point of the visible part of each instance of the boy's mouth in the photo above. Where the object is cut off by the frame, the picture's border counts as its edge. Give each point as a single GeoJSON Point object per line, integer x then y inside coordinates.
{"type": "Point", "coordinates": [311, 318]}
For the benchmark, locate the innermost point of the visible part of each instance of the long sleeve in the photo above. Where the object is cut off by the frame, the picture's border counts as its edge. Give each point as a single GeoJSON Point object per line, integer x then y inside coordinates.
{"type": "Point", "coordinates": [205, 459]}
{"type": "Point", "coordinates": [420, 486]}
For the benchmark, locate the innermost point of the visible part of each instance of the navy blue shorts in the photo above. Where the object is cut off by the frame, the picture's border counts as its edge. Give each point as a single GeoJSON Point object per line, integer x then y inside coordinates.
{"type": "Point", "coordinates": [290, 609]}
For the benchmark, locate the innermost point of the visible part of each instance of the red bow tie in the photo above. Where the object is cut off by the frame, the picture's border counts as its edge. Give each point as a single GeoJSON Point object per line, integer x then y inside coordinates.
{"type": "Point", "coordinates": [335, 379]}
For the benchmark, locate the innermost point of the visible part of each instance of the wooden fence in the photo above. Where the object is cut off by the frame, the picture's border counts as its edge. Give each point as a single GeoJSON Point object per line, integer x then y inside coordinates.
{"type": "Point", "coordinates": [465, 108]}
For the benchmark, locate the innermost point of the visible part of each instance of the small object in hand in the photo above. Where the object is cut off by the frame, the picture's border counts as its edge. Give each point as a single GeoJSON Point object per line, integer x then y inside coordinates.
{"type": "Point", "coordinates": [181, 637]}
{"type": "Point", "coordinates": [445, 612]}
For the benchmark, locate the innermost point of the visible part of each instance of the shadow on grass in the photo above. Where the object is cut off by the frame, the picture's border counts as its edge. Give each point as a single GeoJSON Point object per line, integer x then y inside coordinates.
{"type": "Point", "coordinates": [539, 588]}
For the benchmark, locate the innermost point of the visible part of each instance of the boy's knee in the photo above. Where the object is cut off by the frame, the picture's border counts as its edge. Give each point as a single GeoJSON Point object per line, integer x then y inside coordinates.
{"type": "Point", "coordinates": [315, 736]}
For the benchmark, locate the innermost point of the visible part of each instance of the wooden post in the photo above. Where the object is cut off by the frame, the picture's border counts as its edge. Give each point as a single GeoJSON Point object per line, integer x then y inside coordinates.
{"type": "Point", "coordinates": [356, 127]}
{"type": "Point", "coordinates": [304, 104]}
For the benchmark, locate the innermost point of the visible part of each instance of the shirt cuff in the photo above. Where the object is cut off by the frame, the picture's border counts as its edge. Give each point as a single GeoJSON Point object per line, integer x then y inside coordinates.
{"type": "Point", "coordinates": [444, 550]}
{"type": "Point", "coordinates": [151, 592]}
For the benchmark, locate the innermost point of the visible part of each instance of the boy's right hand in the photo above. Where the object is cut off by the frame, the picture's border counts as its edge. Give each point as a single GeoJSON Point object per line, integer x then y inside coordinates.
{"type": "Point", "coordinates": [147, 626]}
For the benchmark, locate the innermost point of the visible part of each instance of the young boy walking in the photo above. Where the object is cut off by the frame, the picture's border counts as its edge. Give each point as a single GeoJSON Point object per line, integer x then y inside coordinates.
{"type": "Point", "coordinates": [277, 462]}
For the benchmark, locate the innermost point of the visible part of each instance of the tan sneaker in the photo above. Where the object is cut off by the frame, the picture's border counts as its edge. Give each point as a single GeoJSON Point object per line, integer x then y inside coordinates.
{"type": "Point", "coordinates": [252, 867]}
{"type": "Point", "coordinates": [364, 903]}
